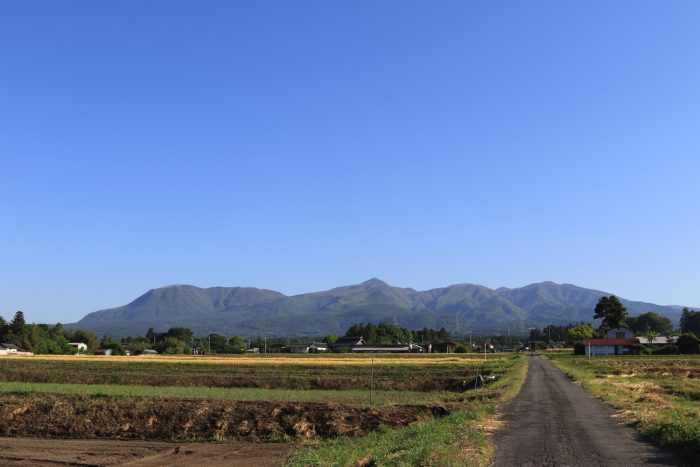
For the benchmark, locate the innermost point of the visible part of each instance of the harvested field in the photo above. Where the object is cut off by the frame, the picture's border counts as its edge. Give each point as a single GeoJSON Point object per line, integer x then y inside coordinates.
{"type": "Point", "coordinates": [432, 405]}
{"type": "Point", "coordinates": [258, 359]}
{"type": "Point", "coordinates": [77, 416]}
{"type": "Point", "coordinates": [33, 452]}
{"type": "Point", "coordinates": [443, 374]}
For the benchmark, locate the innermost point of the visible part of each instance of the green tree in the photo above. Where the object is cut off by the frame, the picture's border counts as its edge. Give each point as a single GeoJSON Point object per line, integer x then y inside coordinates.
{"type": "Point", "coordinates": [650, 336]}
{"type": "Point", "coordinates": [218, 342]}
{"type": "Point", "coordinates": [86, 337]}
{"type": "Point", "coordinates": [173, 346]}
{"type": "Point", "coordinates": [330, 339]}
{"type": "Point", "coordinates": [611, 310]}
{"type": "Point", "coordinates": [56, 345]}
{"type": "Point", "coordinates": [115, 346]}
{"type": "Point", "coordinates": [4, 328]}
{"type": "Point", "coordinates": [18, 324]}
{"type": "Point", "coordinates": [580, 332]}
{"type": "Point", "coordinates": [650, 321]}
{"type": "Point", "coordinates": [236, 344]}
{"type": "Point", "coordinates": [688, 343]}
{"type": "Point", "coordinates": [151, 335]}
{"type": "Point", "coordinates": [690, 321]}
{"type": "Point", "coordinates": [183, 334]}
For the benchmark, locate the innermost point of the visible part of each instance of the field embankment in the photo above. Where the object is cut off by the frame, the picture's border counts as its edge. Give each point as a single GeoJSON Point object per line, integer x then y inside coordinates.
{"type": "Point", "coordinates": [660, 395]}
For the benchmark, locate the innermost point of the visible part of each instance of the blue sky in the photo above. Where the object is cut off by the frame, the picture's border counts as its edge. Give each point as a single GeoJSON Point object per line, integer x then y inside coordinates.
{"type": "Point", "coordinates": [304, 145]}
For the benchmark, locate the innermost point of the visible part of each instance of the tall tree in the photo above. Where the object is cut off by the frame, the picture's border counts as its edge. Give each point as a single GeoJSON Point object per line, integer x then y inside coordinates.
{"type": "Point", "coordinates": [17, 325]}
{"type": "Point", "coordinates": [4, 328]}
{"type": "Point", "coordinates": [690, 321]}
{"type": "Point", "coordinates": [611, 310]}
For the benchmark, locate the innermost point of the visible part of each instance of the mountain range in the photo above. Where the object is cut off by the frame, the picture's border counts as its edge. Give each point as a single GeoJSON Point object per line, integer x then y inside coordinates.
{"type": "Point", "coordinates": [249, 311]}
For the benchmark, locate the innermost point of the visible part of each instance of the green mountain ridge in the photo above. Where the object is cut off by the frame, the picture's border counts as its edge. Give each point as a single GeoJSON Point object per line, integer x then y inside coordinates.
{"type": "Point", "coordinates": [251, 311]}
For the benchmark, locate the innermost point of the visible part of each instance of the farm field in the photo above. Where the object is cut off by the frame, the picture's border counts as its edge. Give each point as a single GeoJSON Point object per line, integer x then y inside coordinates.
{"type": "Point", "coordinates": [362, 406]}
{"type": "Point", "coordinates": [660, 395]}
{"type": "Point", "coordinates": [424, 373]}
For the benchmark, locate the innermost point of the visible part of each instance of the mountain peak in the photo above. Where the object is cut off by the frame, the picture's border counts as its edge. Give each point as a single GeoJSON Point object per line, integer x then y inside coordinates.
{"type": "Point", "coordinates": [250, 311]}
{"type": "Point", "coordinates": [375, 282]}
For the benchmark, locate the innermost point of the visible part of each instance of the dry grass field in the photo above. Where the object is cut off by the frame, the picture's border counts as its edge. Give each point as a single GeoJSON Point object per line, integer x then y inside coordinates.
{"type": "Point", "coordinates": [658, 394]}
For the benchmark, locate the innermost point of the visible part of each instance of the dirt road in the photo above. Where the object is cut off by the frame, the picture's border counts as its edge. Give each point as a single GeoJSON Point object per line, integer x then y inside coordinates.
{"type": "Point", "coordinates": [555, 422]}
{"type": "Point", "coordinates": [52, 452]}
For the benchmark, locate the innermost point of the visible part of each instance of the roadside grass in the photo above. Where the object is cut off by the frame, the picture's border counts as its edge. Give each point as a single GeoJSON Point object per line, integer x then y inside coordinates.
{"type": "Point", "coordinates": [660, 395]}
{"type": "Point", "coordinates": [359, 397]}
{"type": "Point", "coordinates": [452, 440]}
{"type": "Point", "coordinates": [459, 439]}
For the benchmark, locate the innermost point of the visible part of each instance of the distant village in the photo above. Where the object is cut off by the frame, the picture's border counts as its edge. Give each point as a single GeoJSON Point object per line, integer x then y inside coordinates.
{"type": "Point", "coordinates": [617, 334]}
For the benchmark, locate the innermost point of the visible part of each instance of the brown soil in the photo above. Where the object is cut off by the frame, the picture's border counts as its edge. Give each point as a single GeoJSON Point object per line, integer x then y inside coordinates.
{"type": "Point", "coordinates": [51, 452]}
{"type": "Point", "coordinates": [77, 416]}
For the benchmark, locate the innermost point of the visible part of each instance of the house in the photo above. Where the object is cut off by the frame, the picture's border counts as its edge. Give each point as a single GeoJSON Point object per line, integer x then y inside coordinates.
{"type": "Point", "coordinates": [396, 348]}
{"type": "Point", "coordinates": [348, 343]}
{"type": "Point", "coordinates": [11, 349]}
{"type": "Point", "coordinates": [444, 347]}
{"type": "Point", "coordinates": [317, 347]}
{"type": "Point", "coordinates": [79, 346]}
{"type": "Point", "coordinates": [618, 341]}
{"type": "Point", "coordinates": [658, 340]}
{"type": "Point", "coordinates": [105, 352]}
{"type": "Point", "coordinates": [8, 349]}
{"type": "Point", "coordinates": [277, 348]}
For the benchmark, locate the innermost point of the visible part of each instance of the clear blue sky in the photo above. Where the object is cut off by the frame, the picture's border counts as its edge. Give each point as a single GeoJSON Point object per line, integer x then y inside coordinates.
{"type": "Point", "coordinates": [304, 145]}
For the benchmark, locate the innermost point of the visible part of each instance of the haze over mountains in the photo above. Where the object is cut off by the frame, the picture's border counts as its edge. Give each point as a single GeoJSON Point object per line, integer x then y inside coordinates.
{"type": "Point", "coordinates": [250, 311]}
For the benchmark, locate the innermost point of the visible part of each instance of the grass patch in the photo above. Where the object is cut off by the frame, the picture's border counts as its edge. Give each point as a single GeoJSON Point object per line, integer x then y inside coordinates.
{"type": "Point", "coordinates": [360, 397]}
{"type": "Point", "coordinates": [658, 394]}
{"type": "Point", "coordinates": [452, 440]}
{"type": "Point", "coordinates": [458, 439]}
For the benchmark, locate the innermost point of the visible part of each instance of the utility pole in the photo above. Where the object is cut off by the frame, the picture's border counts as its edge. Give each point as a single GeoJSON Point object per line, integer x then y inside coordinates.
{"type": "Point", "coordinates": [266, 345]}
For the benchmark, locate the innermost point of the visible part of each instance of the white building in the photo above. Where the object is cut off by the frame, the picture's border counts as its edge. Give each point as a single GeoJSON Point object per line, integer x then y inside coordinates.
{"type": "Point", "coordinates": [8, 349]}
{"type": "Point", "coordinates": [79, 346]}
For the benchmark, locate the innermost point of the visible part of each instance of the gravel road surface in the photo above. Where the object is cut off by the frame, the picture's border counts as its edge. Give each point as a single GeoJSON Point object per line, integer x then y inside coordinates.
{"type": "Point", "coordinates": [553, 421]}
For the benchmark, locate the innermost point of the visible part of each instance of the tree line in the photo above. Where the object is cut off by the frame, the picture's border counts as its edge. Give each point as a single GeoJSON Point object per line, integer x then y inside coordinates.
{"type": "Point", "coordinates": [385, 334]}
{"type": "Point", "coordinates": [613, 314]}
{"type": "Point", "coordinates": [42, 338]}
{"type": "Point", "coordinates": [48, 339]}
